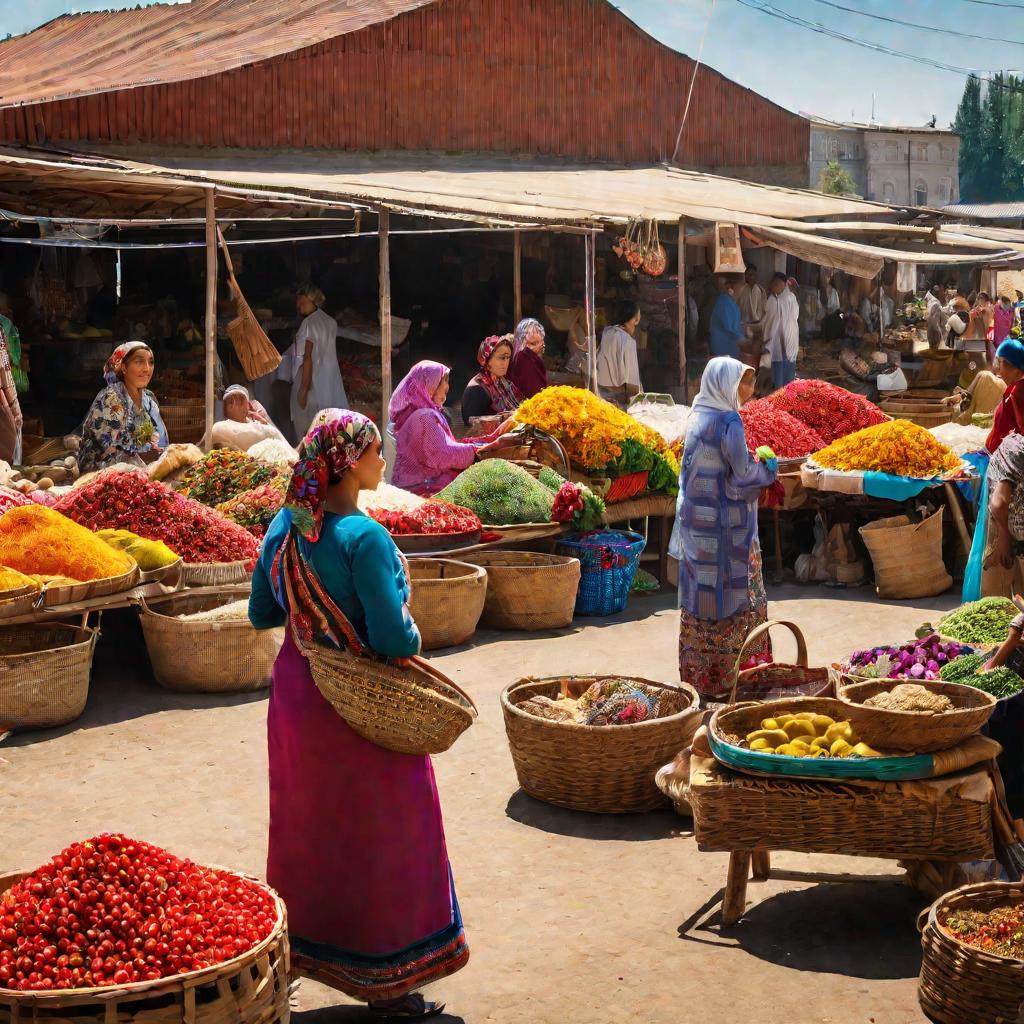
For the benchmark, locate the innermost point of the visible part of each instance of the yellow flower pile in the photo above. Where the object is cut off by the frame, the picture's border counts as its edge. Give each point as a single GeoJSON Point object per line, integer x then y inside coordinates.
{"type": "Point", "coordinates": [898, 447]}
{"type": "Point", "coordinates": [589, 428]}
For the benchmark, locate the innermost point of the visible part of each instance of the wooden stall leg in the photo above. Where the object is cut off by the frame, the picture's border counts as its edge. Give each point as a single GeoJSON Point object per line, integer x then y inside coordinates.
{"type": "Point", "coordinates": [735, 901]}
{"type": "Point", "coordinates": [761, 866]}
{"type": "Point", "coordinates": [664, 536]}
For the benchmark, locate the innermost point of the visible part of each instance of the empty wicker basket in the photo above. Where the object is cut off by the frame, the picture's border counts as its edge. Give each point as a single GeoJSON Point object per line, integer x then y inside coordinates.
{"type": "Point", "coordinates": [909, 730]}
{"type": "Point", "coordinates": [447, 600]}
{"type": "Point", "coordinates": [203, 656]}
{"type": "Point", "coordinates": [528, 590]}
{"type": "Point", "coordinates": [608, 769]}
{"type": "Point", "coordinates": [252, 988]}
{"type": "Point", "coordinates": [44, 674]}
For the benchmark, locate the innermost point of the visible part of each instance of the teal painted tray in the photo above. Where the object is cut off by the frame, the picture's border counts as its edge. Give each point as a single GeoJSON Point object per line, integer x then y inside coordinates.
{"type": "Point", "coordinates": [881, 769]}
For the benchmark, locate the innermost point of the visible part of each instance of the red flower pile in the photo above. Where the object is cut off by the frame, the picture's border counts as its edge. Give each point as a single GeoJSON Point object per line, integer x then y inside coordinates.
{"type": "Point", "coordinates": [435, 517]}
{"type": "Point", "coordinates": [766, 424]}
{"type": "Point", "coordinates": [568, 503]}
{"type": "Point", "coordinates": [831, 411]}
{"type": "Point", "coordinates": [11, 499]}
{"type": "Point", "coordinates": [113, 911]}
{"type": "Point", "coordinates": [131, 501]}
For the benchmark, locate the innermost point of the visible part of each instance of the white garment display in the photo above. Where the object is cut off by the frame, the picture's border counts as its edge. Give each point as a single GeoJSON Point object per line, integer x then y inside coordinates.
{"type": "Point", "coordinates": [326, 390]}
{"type": "Point", "coordinates": [782, 326]}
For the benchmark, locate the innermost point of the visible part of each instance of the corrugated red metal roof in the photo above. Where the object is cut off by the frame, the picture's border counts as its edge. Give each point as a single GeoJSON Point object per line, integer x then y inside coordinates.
{"type": "Point", "coordinates": [82, 54]}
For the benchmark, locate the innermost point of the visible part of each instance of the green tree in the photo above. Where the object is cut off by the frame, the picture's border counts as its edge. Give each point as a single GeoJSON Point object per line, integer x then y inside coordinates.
{"type": "Point", "coordinates": [835, 181]}
{"type": "Point", "coordinates": [968, 125]}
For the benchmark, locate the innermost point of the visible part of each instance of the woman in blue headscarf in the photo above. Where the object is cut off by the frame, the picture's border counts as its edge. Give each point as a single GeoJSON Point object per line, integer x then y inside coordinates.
{"type": "Point", "coordinates": [123, 423]}
{"type": "Point", "coordinates": [721, 591]}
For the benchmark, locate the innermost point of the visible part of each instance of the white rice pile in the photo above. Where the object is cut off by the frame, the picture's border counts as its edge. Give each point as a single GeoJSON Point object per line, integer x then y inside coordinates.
{"type": "Point", "coordinates": [274, 451]}
{"type": "Point", "coordinates": [236, 611]}
{"type": "Point", "coordinates": [961, 439]}
{"type": "Point", "coordinates": [394, 499]}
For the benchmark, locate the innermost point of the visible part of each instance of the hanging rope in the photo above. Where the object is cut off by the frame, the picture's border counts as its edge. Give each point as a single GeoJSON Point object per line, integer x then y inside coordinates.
{"type": "Point", "coordinates": [693, 80]}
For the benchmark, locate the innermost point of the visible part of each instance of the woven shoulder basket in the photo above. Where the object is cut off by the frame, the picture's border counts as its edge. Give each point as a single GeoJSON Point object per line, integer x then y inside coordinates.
{"type": "Point", "coordinates": [253, 988]}
{"type": "Point", "coordinates": [768, 682]}
{"type": "Point", "coordinates": [961, 983]}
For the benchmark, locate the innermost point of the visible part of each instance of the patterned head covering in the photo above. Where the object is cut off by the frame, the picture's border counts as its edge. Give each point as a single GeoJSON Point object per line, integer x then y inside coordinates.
{"type": "Point", "coordinates": [117, 358]}
{"type": "Point", "coordinates": [504, 395]}
{"type": "Point", "coordinates": [336, 441]}
{"type": "Point", "coordinates": [416, 391]}
{"type": "Point", "coordinates": [523, 329]}
{"type": "Point", "coordinates": [489, 345]}
{"type": "Point", "coordinates": [719, 385]}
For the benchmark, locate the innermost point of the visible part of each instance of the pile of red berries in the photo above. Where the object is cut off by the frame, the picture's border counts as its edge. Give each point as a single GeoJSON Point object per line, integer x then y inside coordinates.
{"type": "Point", "coordinates": [113, 911]}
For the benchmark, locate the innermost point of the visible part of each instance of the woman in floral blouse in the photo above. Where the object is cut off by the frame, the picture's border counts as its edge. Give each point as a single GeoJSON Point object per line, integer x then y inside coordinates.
{"type": "Point", "coordinates": [123, 424]}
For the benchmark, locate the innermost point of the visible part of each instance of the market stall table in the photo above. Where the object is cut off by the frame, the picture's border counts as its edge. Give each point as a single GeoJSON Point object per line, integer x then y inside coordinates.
{"type": "Point", "coordinates": [946, 820]}
{"type": "Point", "coordinates": [659, 507]}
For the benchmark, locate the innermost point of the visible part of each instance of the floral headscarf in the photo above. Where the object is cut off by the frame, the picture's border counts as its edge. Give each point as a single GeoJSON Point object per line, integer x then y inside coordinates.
{"type": "Point", "coordinates": [117, 358]}
{"type": "Point", "coordinates": [504, 395]}
{"type": "Point", "coordinates": [416, 391]}
{"type": "Point", "coordinates": [523, 329]}
{"type": "Point", "coordinates": [336, 441]}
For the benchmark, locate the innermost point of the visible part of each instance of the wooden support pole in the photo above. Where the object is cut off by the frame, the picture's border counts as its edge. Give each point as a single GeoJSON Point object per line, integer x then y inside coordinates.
{"type": "Point", "coordinates": [761, 865]}
{"type": "Point", "coordinates": [211, 310]}
{"type": "Point", "coordinates": [383, 224]}
{"type": "Point", "coordinates": [589, 243]}
{"type": "Point", "coordinates": [681, 293]}
{"type": "Point", "coordinates": [517, 273]}
{"type": "Point", "coordinates": [734, 902]}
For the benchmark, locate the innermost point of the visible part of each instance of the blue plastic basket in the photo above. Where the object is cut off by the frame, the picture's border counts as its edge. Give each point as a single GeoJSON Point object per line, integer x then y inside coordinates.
{"type": "Point", "coordinates": [608, 563]}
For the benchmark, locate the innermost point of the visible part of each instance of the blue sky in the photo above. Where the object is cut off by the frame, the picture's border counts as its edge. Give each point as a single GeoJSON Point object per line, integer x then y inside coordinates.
{"type": "Point", "coordinates": [798, 68]}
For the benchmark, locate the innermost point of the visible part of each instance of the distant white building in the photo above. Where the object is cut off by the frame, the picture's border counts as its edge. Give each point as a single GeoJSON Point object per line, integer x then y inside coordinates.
{"type": "Point", "coordinates": [906, 166]}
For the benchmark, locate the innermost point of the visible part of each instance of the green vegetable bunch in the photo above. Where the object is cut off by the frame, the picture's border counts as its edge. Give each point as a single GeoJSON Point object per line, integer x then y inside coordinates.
{"type": "Point", "coordinates": [500, 493]}
{"type": "Point", "coordinates": [981, 622]}
{"type": "Point", "coordinates": [1000, 682]}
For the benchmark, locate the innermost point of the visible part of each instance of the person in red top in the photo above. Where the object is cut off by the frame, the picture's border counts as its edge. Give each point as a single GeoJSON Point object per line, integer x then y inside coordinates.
{"type": "Point", "coordinates": [1009, 413]}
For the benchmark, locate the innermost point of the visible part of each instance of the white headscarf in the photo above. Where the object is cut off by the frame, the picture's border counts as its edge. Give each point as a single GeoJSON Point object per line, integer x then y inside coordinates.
{"type": "Point", "coordinates": [719, 386]}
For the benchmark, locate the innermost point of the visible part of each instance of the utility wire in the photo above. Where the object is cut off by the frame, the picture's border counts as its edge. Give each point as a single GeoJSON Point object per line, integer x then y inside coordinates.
{"type": "Point", "coordinates": [995, 3]}
{"type": "Point", "coordinates": [917, 25]}
{"type": "Point", "coordinates": [693, 80]}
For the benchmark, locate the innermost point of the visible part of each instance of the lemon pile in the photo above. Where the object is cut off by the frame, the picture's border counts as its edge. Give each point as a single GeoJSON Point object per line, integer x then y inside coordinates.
{"type": "Point", "coordinates": [808, 735]}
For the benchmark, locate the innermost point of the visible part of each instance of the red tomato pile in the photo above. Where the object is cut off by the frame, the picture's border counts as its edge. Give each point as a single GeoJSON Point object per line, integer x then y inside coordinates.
{"type": "Point", "coordinates": [832, 411]}
{"type": "Point", "coordinates": [112, 911]}
{"type": "Point", "coordinates": [784, 434]}
{"type": "Point", "coordinates": [435, 517]}
{"type": "Point", "coordinates": [131, 501]}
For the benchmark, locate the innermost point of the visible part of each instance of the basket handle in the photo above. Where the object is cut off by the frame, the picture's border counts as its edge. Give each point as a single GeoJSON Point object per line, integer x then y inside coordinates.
{"type": "Point", "coordinates": [227, 260]}
{"type": "Point", "coordinates": [801, 649]}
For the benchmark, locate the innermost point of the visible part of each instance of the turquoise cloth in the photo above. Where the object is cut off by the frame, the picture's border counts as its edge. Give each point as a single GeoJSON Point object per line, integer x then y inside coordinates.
{"type": "Point", "coordinates": [357, 561]}
{"type": "Point", "coordinates": [973, 572]}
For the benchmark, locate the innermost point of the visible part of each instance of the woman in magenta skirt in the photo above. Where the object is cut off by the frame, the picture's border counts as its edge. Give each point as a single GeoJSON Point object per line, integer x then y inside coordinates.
{"type": "Point", "coordinates": [357, 847]}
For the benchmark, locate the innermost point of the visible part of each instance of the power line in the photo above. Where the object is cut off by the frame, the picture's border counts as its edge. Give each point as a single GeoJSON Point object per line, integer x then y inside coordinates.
{"type": "Point", "coordinates": [917, 25]}
{"type": "Point", "coordinates": [995, 3]}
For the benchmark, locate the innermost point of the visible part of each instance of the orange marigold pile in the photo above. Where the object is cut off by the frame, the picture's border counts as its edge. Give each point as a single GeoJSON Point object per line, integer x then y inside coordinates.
{"type": "Point", "coordinates": [897, 446]}
{"type": "Point", "coordinates": [38, 541]}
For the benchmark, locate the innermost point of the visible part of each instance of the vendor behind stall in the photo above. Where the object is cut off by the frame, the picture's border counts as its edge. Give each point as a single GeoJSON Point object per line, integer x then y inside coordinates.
{"type": "Point", "coordinates": [491, 392]}
{"type": "Point", "coordinates": [245, 422]}
{"type": "Point", "coordinates": [123, 423]}
{"type": "Point", "coordinates": [316, 383]}
{"type": "Point", "coordinates": [527, 371]}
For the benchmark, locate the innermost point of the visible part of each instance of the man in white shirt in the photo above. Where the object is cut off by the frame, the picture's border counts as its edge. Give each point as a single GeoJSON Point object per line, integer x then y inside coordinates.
{"type": "Point", "coordinates": [782, 331]}
{"type": "Point", "coordinates": [752, 299]}
{"type": "Point", "coordinates": [618, 369]}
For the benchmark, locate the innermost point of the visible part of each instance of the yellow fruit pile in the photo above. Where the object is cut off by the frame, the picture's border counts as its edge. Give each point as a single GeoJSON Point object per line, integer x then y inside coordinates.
{"type": "Point", "coordinates": [808, 735]}
{"type": "Point", "coordinates": [898, 447]}
{"type": "Point", "coordinates": [150, 554]}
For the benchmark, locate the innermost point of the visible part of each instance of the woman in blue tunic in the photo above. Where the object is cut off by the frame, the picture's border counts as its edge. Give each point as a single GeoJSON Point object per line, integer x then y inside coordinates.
{"type": "Point", "coordinates": [721, 592]}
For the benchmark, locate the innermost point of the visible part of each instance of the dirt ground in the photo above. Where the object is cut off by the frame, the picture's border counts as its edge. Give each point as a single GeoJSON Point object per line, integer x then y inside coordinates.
{"type": "Point", "coordinates": [570, 917]}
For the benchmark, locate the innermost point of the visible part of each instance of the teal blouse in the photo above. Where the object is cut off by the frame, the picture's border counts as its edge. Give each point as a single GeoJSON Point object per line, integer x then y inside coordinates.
{"type": "Point", "coordinates": [357, 561]}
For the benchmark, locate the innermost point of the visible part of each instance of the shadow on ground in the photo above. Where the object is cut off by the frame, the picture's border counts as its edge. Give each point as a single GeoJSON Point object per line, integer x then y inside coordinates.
{"type": "Point", "coordinates": [581, 825]}
{"type": "Point", "coordinates": [348, 1014]}
{"type": "Point", "coordinates": [862, 929]}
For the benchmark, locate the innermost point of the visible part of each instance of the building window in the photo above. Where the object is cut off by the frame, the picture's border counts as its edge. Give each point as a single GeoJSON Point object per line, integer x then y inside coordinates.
{"type": "Point", "coordinates": [888, 192]}
{"type": "Point", "coordinates": [892, 152]}
{"type": "Point", "coordinates": [921, 150]}
{"type": "Point", "coordinates": [920, 193]}
{"type": "Point", "coordinates": [945, 188]}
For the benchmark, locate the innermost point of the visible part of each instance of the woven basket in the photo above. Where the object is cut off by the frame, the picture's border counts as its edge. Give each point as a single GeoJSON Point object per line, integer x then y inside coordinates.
{"type": "Point", "coordinates": [207, 657]}
{"type": "Point", "coordinates": [907, 556]}
{"type": "Point", "coordinates": [768, 682]}
{"type": "Point", "coordinates": [910, 731]}
{"type": "Point", "coordinates": [960, 983]}
{"type": "Point", "coordinates": [603, 591]}
{"type": "Point", "coordinates": [185, 421]}
{"type": "Point", "coordinates": [607, 769]}
{"type": "Point", "coordinates": [215, 574]}
{"type": "Point", "coordinates": [412, 710]}
{"type": "Point", "coordinates": [42, 450]}
{"type": "Point", "coordinates": [17, 602]}
{"type": "Point", "coordinates": [447, 600]}
{"type": "Point", "coordinates": [44, 674]}
{"type": "Point", "coordinates": [924, 412]}
{"type": "Point", "coordinates": [70, 593]}
{"type": "Point", "coordinates": [253, 988]}
{"type": "Point", "coordinates": [735, 811]}
{"type": "Point", "coordinates": [527, 590]}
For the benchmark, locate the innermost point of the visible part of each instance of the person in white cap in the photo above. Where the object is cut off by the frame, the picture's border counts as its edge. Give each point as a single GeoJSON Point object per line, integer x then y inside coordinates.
{"type": "Point", "coordinates": [245, 422]}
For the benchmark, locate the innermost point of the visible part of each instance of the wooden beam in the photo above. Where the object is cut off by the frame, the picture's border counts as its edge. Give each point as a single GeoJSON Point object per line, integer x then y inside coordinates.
{"type": "Point", "coordinates": [517, 273]}
{"type": "Point", "coordinates": [383, 226]}
{"type": "Point", "coordinates": [681, 294]}
{"type": "Point", "coordinates": [589, 244]}
{"type": "Point", "coordinates": [211, 309]}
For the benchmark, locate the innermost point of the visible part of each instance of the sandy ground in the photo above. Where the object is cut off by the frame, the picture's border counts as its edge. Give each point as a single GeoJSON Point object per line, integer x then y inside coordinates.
{"type": "Point", "coordinates": [571, 917]}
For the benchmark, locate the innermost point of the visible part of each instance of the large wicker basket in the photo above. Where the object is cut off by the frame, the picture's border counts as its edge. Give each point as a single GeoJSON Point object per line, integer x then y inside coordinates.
{"type": "Point", "coordinates": [253, 988]}
{"type": "Point", "coordinates": [527, 590]}
{"type": "Point", "coordinates": [608, 769]}
{"type": "Point", "coordinates": [907, 557]}
{"type": "Point", "coordinates": [908, 730]}
{"type": "Point", "coordinates": [215, 574]}
{"type": "Point", "coordinates": [961, 983]}
{"type": "Point", "coordinates": [207, 657]}
{"type": "Point", "coordinates": [44, 674]}
{"type": "Point", "coordinates": [447, 600]}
